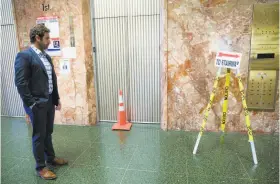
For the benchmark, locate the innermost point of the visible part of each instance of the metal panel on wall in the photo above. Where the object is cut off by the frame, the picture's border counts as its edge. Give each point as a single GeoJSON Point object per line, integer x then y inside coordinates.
{"type": "Point", "coordinates": [127, 57]}
{"type": "Point", "coordinates": [112, 63]}
{"type": "Point", "coordinates": [7, 17]}
{"type": "Point", "coordinates": [144, 67]}
{"type": "Point", "coordinates": [264, 58]}
{"type": "Point", "coordinates": [11, 104]}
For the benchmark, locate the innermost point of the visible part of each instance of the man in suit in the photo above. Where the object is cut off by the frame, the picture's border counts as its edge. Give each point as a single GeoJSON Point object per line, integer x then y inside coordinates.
{"type": "Point", "coordinates": [36, 83]}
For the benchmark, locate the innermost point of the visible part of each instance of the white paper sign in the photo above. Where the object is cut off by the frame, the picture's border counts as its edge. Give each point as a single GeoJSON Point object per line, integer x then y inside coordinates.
{"type": "Point", "coordinates": [69, 52]}
{"type": "Point", "coordinates": [64, 66]}
{"type": "Point", "coordinates": [52, 24]}
{"type": "Point", "coordinates": [228, 60]}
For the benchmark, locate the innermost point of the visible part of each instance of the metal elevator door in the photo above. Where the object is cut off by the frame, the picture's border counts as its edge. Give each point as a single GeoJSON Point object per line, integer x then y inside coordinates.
{"type": "Point", "coordinates": [11, 103]}
{"type": "Point", "coordinates": [126, 38]}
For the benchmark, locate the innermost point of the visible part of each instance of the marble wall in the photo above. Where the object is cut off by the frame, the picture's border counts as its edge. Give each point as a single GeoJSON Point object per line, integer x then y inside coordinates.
{"type": "Point", "coordinates": [194, 31]}
{"type": "Point", "coordinates": [77, 88]}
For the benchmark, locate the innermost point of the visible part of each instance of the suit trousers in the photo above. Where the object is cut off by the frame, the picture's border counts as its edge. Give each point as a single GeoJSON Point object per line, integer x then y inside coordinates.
{"type": "Point", "coordinates": [42, 118]}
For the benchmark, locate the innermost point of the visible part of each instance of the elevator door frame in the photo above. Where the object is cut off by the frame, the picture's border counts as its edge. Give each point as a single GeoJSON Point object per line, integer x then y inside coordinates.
{"type": "Point", "coordinates": [127, 91]}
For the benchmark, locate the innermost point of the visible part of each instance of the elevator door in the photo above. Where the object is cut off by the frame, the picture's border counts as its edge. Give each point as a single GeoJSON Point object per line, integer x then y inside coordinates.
{"type": "Point", "coordinates": [11, 103]}
{"type": "Point", "coordinates": [126, 38]}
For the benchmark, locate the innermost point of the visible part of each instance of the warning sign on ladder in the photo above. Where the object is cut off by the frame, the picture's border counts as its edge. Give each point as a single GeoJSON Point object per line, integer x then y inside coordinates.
{"type": "Point", "coordinates": [228, 60]}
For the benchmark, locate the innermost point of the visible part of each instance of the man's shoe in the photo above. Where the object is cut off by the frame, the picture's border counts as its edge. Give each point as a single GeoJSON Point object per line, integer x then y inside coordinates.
{"type": "Point", "coordinates": [58, 162]}
{"type": "Point", "coordinates": [46, 174]}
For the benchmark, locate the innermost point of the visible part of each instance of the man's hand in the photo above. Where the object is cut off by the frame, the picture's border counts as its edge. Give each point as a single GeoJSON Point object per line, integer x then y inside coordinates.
{"type": "Point", "coordinates": [59, 106]}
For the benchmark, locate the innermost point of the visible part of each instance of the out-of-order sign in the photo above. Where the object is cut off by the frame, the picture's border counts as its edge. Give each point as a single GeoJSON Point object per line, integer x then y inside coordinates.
{"type": "Point", "coordinates": [228, 60]}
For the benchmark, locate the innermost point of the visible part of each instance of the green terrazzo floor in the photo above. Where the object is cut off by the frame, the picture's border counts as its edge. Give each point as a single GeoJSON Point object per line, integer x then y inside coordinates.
{"type": "Point", "coordinates": [145, 155]}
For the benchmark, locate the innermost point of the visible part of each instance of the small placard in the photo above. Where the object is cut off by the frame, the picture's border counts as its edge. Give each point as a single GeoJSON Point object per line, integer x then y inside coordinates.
{"type": "Point", "coordinates": [228, 60]}
{"type": "Point", "coordinates": [64, 66]}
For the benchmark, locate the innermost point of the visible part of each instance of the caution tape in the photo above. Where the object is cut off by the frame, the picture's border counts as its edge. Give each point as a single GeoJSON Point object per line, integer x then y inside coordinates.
{"type": "Point", "coordinates": [225, 108]}
{"type": "Point", "coordinates": [225, 103]}
{"type": "Point", "coordinates": [209, 105]}
{"type": "Point", "coordinates": [246, 112]}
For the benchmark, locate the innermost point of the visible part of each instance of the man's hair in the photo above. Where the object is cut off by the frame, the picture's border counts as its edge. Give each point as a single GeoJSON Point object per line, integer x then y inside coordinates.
{"type": "Point", "coordinates": [40, 30]}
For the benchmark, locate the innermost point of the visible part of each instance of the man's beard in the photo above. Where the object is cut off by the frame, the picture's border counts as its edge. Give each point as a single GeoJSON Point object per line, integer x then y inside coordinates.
{"type": "Point", "coordinates": [42, 46]}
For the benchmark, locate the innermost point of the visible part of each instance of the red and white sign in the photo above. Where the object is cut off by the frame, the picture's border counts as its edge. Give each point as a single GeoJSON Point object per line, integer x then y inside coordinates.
{"type": "Point", "coordinates": [52, 23]}
{"type": "Point", "coordinates": [228, 60]}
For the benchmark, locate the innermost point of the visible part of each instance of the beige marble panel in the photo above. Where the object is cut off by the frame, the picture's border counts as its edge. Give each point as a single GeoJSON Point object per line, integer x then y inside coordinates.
{"type": "Point", "coordinates": [76, 89]}
{"type": "Point", "coordinates": [195, 30]}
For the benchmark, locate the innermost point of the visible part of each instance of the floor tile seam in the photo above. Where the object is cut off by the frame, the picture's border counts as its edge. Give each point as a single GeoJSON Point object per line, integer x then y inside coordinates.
{"type": "Point", "coordinates": [244, 168]}
{"type": "Point", "coordinates": [62, 174]}
{"type": "Point", "coordinates": [130, 144]}
{"type": "Point", "coordinates": [133, 145]}
{"type": "Point", "coordinates": [22, 158]}
{"type": "Point", "coordinates": [265, 179]}
{"type": "Point", "coordinates": [94, 166]}
{"type": "Point", "coordinates": [128, 169]}
{"type": "Point", "coordinates": [129, 163]}
{"type": "Point", "coordinates": [163, 156]}
{"type": "Point", "coordinates": [65, 138]}
{"type": "Point", "coordinates": [13, 167]}
{"type": "Point", "coordinates": [6, 142]}
{"type": "Point", "coordinates": [225, 177]}
{"type": "Point", "coordinates": [77, 159]}
{"type": "Point", "coordinates": [90, 145]}
{"type": "Point", "coordinates": [77, 141]}
{"type": "Point", "coordinates": [27, 157]}
{"type": "Point", "coordinates": [94, 141]}
{"type": "Point", "coordinates": [111, 144]}
{"type": "Point", "coordinates": [82, 141]}
{"type": "Point", "coordinates": [187, 173]}
{"type": "Point", "coordinates": [157, 171]}
{"type": "Point", "coordinates": [16, 136]}
{"type": "Point", "coordinates": [140, 145]}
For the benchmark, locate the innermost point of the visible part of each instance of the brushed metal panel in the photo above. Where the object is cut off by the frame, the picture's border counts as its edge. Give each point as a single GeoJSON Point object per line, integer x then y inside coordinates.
{"type": "Point", "coordinates": [6, 8]}
{"type": "Point", "coordinates": [11, 104]}
{"type": "Point", "coordinates": [264, 57]}
{"type": "Point", "coordinates": [126, 36]}
{"type": "Point", "coordinates": [111, 67]}
{"type": "Point", "coordinates": [123, 8]}
{"type": "Point", "coordinates": [263, 12]}
{"type": "Point", "coordinates": [265, 36]}
{"type": "Point", "coordinates": [261, 92]}
{"type": "Point", "coordinates": [144, 67]}
{"type": "Point", "coordinates": [264, 64]}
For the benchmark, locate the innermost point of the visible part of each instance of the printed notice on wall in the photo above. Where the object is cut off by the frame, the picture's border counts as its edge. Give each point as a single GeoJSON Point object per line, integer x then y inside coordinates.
{"type": "Point", "coordinates": [53, 25]}
{"type": "Point", "coordinates": [228, 60]}
{"type": "Point", "coordinates": [64, 65]}
{"type": "Point", "coordinates": [69, 52]}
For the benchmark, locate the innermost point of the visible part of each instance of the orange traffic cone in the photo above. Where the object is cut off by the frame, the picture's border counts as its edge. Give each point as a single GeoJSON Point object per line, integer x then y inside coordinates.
{"type": "Point", "coordinates": [122, 124]}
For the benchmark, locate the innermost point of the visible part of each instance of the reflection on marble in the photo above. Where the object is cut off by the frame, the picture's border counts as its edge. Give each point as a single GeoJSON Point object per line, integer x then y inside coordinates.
{"type": "Point", "coordinates": [164, 58]}
{"type": "Point", "coordinates": [195, 30]}
{"type": "Point", "coordinates": [76, 89]}
{"type": "Point", "coordinates": [89, 62]}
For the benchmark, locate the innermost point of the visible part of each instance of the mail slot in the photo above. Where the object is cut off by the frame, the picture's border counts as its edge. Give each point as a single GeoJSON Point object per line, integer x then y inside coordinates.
{"type": "Point", "coordinates": [264, 58]}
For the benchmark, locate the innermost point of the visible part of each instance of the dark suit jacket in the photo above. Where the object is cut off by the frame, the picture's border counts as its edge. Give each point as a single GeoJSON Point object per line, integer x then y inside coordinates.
{"type": "Point", "coordinates": [31, 78]}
